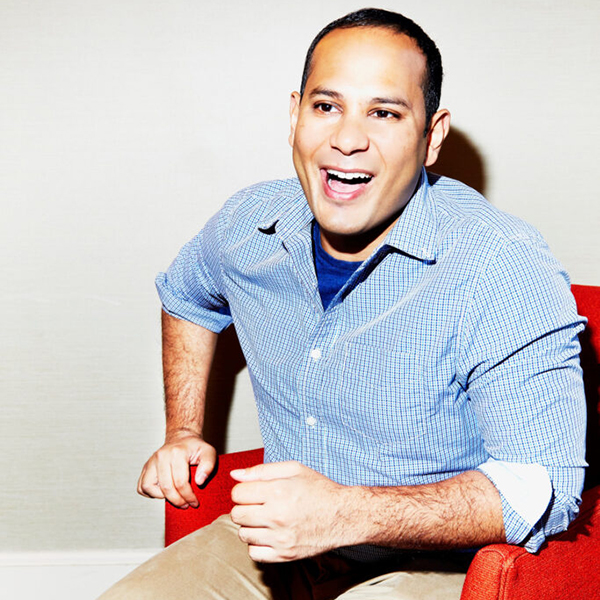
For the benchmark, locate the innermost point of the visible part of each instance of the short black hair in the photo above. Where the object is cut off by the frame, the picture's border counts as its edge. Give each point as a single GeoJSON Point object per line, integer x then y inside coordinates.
{"type": "Point", "coordinates": [376, 17]}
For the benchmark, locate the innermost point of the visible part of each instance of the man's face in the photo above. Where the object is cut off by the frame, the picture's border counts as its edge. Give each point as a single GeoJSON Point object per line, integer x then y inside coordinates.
{"type": "Point", "coordinates": [357, 135]}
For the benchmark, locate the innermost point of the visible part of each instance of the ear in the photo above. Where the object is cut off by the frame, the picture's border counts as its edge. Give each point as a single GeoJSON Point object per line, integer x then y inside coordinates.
{"type": "Point", "coordinates": [438, 130]}
{"type": "Point", "coordinates": [294, 110]}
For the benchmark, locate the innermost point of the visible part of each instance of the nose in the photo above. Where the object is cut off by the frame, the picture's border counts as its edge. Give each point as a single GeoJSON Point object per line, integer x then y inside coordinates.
{"type": "Point", "coordinates": [349, 135]}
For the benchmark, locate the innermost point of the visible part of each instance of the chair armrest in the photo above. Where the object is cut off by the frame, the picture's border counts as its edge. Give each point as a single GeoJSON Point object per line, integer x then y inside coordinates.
{"type": "Point", "coordinates": [566, 567]}
{"type": "Point", "coordinates": [214, 496]}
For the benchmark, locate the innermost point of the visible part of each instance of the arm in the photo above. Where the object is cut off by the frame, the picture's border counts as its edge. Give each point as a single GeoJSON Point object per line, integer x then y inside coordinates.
{"type": "Point", "coordinates": [188, 351]}
{"type": "Point", "coordinates": [287, 511]}
{"type": "Point", "coordinates": [525, 387]}
{"type": "Point", "coordinates": [534, 368]}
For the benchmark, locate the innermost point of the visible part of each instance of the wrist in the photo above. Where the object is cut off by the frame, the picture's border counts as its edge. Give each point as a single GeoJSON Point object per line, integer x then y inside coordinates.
{"type": "Point", "coordinates": [175, 434]}
{"type": "Point", "coordinates": [351, 520]}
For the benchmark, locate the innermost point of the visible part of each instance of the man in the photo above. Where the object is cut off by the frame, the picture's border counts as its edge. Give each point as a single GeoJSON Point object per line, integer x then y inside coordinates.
{"type": "Point", "coordinates": [413, 353]}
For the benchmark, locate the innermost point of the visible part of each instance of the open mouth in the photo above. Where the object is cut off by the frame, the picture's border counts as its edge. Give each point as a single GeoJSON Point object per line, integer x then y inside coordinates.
{"type": "Point", "coordinates": [343, 182]}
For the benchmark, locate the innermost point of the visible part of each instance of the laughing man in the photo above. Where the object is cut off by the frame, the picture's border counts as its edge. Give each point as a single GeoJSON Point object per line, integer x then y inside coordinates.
{"type": "Point", "coordinates": [413, 353]}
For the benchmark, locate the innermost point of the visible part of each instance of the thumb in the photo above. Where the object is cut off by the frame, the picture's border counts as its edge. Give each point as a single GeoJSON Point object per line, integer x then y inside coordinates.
{"type": "Point", "coordinates": [205, 458]}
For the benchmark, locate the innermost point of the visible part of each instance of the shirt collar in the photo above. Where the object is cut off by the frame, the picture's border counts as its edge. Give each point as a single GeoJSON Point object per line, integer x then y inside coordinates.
{"type": "Point", "coordinates": [415, 232]}
{"type": "Point", "coordinates": [289, 220]}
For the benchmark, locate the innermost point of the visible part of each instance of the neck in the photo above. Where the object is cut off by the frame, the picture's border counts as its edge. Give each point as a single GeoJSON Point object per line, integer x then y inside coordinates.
{"type": "Point", "coordinates": [355, 247]}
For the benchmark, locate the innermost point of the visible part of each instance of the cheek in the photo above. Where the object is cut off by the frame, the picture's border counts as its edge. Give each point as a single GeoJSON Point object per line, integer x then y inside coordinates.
{"type": "Point", "coordinates": [310, 136]}
{"type": "Point", "coordinates": [402, 156]}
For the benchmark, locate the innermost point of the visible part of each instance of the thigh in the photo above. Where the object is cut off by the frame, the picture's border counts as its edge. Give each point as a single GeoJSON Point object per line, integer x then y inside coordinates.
{"type": "Point", "coordinates": [409, 585]}
{"type": "Point", "coordinates": [209, 564]}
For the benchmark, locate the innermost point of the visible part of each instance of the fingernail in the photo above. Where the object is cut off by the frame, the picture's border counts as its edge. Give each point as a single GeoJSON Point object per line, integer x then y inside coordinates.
{"type": "Point", "coordinates": [238, 472]}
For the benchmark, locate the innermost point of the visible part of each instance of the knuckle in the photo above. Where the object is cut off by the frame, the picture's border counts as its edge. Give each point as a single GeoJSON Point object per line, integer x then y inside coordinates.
{"type": "Point", "coordinates": [171, 454]}
{"type": "Point", "coordinates": [285, 540]}
{"type": "Point", "coordinates": [147, 484]}
{"type": "Point", "coordinates": [278, 520]}
{"type": "Point", "coordinates": [167, 486]}
{"type": "Point", "coordinates": [160, 453]}
{"type": "Point", "coordinates": [179, 481]}
{"type": "Point", "coordinates": [279, 492]}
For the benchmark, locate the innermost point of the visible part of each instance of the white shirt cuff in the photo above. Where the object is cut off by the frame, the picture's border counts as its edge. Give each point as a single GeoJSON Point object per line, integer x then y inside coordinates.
{"type": "Point", "coordinates": [526, 487]}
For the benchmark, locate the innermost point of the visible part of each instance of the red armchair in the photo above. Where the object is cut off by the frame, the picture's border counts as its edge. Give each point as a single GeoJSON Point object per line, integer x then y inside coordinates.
{"type": "Point", "coordinates": [566, 567]}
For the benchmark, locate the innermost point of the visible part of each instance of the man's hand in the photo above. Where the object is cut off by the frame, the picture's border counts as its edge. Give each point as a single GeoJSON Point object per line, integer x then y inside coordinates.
{"type": "Point", "coordinates": [286, 511]}
{"type": "Point", "coordinates": [167, 472]}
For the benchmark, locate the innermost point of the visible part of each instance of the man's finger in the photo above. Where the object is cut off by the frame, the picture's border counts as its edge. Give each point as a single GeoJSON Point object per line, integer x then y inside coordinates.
{"type": "Point", "coordinates": [251, 492]}
{"type": "Point", "coordinates": [250, 515]}
{"type": "Point", "coordinates": [267, 471]}
{"type": "Point", "coordinates": [167, 485]}
{"type": "Point", "coordinates": [256, 536]}
{"type": "Point", "coordinates": [264, 554]}
{"type": "Point", "coordinates": [206, 459]}
{"type": "Point", "coordinates": [148, 484]}
{"type": "Point", "coordinates": [180, 473]}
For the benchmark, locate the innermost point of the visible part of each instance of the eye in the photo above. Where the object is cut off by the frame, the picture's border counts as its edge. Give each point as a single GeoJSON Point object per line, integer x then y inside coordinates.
{"type": "Point", "coordinates": [324, 107]}
{"type": "Point", "coordinates": [385, 114]}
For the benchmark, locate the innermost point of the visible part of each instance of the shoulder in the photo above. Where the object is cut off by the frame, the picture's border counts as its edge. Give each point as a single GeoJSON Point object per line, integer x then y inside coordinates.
{"type": "Point", "coordinates": [460, 206]}
{"type": "Point", "coordinates": [498, 250]}
{"type": "Point", "coordinates": [253, 211]}
{"type": "Point", "coordinates": [258, 202]}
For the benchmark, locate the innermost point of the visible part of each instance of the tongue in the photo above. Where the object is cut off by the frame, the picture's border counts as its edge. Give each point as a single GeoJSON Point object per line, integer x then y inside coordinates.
{"type": "Point", "coordinates": [341, 186]}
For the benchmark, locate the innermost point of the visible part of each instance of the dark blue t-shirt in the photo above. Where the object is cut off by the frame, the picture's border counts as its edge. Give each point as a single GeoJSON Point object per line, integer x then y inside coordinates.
{"type": "Point", "coordinates": [332, 273]}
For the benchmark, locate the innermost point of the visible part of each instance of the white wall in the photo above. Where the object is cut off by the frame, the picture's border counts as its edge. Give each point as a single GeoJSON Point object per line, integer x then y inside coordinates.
{"type": "Point", "coordinates": [124, 124]}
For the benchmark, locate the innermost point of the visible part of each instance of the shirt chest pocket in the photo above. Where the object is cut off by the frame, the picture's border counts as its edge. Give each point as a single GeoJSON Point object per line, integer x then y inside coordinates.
{"type": "Point", "coordinates": [385, 395]}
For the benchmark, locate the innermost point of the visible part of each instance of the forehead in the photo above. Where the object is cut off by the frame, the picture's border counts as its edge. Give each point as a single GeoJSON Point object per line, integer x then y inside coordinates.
{"type": "Point", "coordinates": [363, 57]}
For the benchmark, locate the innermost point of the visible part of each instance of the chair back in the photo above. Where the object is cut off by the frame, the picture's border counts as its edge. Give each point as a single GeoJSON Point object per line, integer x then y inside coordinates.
{"type": "Point", "coordinates": [588, 305]}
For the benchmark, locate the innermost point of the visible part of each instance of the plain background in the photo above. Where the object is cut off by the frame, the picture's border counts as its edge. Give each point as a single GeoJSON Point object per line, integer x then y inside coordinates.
{"type": "Point", "coordinates": [125, 124]}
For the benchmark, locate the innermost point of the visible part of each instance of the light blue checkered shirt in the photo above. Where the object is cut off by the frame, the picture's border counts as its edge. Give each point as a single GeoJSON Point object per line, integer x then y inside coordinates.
{"type": "Point", "coordinates": [455, 343]}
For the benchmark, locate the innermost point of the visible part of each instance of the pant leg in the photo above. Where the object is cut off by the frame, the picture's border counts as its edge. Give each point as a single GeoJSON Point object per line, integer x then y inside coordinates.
{"type": "Point", "coordinates": [212, 564]}
{"type": "Point", "coordinates": [209, 564]}
{"type": "Point", "coordinates": [423, 576]}
{"type": "Point", "coordinates": [419, 576]}
{"type": "Point", "coordinates": [409, 585]}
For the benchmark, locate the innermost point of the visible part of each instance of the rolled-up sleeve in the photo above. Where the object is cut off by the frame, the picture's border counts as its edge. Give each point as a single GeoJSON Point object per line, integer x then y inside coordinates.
{"type": "Point", "coordinates": [520, 359]}
{"type": "Point", "coordinates": [191, 289]}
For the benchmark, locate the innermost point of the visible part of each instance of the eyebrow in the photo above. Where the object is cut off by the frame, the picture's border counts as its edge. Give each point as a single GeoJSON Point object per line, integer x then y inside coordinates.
{"type": "Point", "coordinates": [325, 92]}
{"type": "Point", "coordinates": [397, 101]}
{"type": "Point", "coordinates": [377, 100]}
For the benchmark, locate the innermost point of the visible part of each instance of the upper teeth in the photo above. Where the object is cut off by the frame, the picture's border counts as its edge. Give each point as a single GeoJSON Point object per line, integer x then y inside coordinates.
{"type": "Point", "coordinates": [348, 176]}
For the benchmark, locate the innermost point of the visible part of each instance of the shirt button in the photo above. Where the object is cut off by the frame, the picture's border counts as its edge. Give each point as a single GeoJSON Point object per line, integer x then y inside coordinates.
{"type": "Point", "coordinates": [315, 353]}
{"type": "Point", "coordinates": [311, 421]}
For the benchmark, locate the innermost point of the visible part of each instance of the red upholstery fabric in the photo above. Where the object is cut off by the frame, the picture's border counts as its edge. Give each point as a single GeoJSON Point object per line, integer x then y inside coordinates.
{"type": "Point", "coordinates": [214, 497]}
{"type": "Point", "coordinates": [588, 303]}
{"type": "Point", "coordinates": [567, 566]}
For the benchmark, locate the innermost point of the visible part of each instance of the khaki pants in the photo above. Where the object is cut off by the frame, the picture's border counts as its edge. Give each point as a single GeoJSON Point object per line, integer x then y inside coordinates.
{"type": "Point", "coordinates": [212, 564]}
